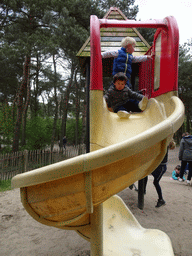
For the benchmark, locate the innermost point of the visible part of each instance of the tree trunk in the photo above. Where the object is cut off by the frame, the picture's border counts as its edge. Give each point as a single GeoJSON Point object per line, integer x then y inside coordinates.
{"type": "Point", "coordinates": [64, 115]}
{"type": "Point", "coordinates": [83, 133]}
{"type": "Point", "coordinates": [24, 122]}
{"type": "Point", "coordinates": [77, 110]}
{"type": "Point", "coordinates": [36, 89]}
{"type": "Point", "coordinates": [24, 116]}
{"type": "Point", "coordinates": [56, 105]}
{"type": "Point", "coordinates": [19, 96]}
{"type": "Point", "coordinates": [65, 107]}
{"type": "Point", "coordinates": [188, 121]}
{"type": "Point", "coordinates": [178, 134]}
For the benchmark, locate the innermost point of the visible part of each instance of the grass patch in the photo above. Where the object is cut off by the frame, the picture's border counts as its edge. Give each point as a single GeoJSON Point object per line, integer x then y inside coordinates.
{"type": "Point", "coordinates": [5, 185]}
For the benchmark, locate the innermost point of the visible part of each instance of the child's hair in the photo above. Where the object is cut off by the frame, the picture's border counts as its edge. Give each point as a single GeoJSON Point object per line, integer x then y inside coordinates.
{"type": "Point", "coordinates": [172, 145]}
{"type": "Point", "coordinates": [185, 134]}
{"type": "Point", "coordinates": [128, 40]}
{"type": "Point", "coordinates": [178, 167]}
{"type": "Point", "coordinates": [120, 76]}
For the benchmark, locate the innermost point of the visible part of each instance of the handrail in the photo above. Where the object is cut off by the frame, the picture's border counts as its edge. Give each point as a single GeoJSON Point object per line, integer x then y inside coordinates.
{"type": "Point", "coordinates": [156, 23]}
{"type": "Point", "coordinates": [104, 156]}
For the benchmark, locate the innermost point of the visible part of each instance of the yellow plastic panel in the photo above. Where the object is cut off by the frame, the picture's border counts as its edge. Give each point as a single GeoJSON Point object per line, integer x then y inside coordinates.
{"type": "Point", "coordinates": [124, 236]}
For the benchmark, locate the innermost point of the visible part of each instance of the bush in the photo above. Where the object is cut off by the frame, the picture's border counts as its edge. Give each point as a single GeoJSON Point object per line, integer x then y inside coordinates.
{"type": "Point", "coordinates": [70, 130]}
{"type": "Point", "coordinates": [38, 133]}
{"type": "Point", "coordinates": [5, 185]}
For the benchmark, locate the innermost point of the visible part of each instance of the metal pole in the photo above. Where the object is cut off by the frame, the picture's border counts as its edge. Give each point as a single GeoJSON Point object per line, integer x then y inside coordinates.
{"type": "Point", "coordinates": [96, 217]}
{"type": "Point", "coordinates": [141, 194]}
{"type": "Point", "coordinates": [87, 107]}
{"type": "Point", "coordinates": [97, 231]}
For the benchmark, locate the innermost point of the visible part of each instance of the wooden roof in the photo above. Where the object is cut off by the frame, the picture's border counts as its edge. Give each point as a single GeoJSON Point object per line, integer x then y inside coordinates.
{"type": "Point", "coordinates": [111, 39]}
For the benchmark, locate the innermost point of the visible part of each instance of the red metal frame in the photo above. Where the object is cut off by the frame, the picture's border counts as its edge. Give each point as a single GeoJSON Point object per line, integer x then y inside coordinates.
{"type": "Point", "coordinates": [96, 76]}
{"type": "Point", "coordinates": [168, 60]}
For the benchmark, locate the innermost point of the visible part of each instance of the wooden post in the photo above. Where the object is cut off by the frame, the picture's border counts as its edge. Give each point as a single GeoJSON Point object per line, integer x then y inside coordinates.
{"type": "Point", "coordinates": [25, 160]}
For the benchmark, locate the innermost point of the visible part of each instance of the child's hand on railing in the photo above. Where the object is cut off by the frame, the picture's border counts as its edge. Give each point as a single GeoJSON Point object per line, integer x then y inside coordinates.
{"type": "Point", "coordinates": [149, 57]}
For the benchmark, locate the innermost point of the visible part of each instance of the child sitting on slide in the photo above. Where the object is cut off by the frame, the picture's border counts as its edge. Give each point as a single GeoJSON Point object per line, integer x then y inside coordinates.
{"type": "Point", "coordinates": [122, 100]}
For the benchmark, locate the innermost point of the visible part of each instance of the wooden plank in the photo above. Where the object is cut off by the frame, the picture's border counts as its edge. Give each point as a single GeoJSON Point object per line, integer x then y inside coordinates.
{"type": "Point", "coordinates": [84, 54]}
{"type": "Point", "coordinates": [115, 17]}
{"type": "Point", "coordinates": [64, 187]}
{"type": "Point", "coordinates": [118, 44]}
{"type": "Point", "coordinates": [114, 44]}
{"type": "Point", "coordinates": [117, 39]}
{"type": "Point", "coordinates": [118, 34]}
{"type": "Point", "coordinates": [62, 208]}
{"type": "Point", "coordinates": [138, 51]}
{"type": "Point", "coordinates": [119, 29]}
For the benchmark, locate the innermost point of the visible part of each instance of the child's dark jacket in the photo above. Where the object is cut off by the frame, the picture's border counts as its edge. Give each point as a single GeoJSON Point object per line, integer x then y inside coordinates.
{"type": "Point", "coordinates": [185, 150]}
{"type": "Point", "coordinates": [115, 98]}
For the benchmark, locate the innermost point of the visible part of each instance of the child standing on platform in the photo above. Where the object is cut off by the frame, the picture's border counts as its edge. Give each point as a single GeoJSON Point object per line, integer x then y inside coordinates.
{"type": "Point", "coordinates": [123, 58]}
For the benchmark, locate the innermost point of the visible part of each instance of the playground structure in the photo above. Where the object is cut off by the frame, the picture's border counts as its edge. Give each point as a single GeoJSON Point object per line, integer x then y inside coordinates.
{"type": "Point", "coordinates": [79, 193]}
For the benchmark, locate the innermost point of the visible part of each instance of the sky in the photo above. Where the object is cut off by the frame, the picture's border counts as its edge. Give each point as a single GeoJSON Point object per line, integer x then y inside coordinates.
{"type": "Point", "coordinates": [180, 9]}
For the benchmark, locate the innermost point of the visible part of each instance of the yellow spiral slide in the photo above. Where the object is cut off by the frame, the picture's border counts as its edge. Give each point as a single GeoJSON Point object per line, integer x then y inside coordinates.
{"type": "Point", "coordinates": [67, 194]}
{"type": "Point", "coordinates": [79, 193]}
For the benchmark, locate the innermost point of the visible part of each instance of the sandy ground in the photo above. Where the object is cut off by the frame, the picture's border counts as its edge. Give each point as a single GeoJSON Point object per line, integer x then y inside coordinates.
{"type": "Point", "coordinates": [23, 236]}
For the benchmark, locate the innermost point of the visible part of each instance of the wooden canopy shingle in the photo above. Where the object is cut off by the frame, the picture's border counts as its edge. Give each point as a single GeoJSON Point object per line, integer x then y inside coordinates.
{"type": "Point", "coordinates": [111, 40]}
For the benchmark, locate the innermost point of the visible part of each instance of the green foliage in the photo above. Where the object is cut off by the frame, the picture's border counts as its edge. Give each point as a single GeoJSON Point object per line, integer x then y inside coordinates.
{"type": "Point", "coordinates": [5, 185]}
{"type": "Point", "coordinates": [6, 121]}
{"type": "Point", "coordinates": [185, 76]}
{"type": "Point", "coordinates": [72, 28]}
{"type": "Point", "coordinates": [70, 130]}
{"type": "Point", "coordinates": [184, 82]}
{"type": "Point", "coordinates": [126, 6]}
{"type": "Point", "coordinates": [11, 62]}
{"type": "Point", "coordinates": [6, 127]}
{"type": "Point", "coordinates": [38, 133]}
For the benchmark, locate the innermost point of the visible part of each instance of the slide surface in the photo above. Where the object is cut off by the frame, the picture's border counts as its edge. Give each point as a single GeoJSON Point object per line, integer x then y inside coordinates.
{"type": "Point", "coordinates": [123, 235]}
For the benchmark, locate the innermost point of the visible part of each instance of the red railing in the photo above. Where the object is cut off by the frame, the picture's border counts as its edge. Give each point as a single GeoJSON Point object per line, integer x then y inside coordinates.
{"type": "Point", "coordinates": [145, 75]}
